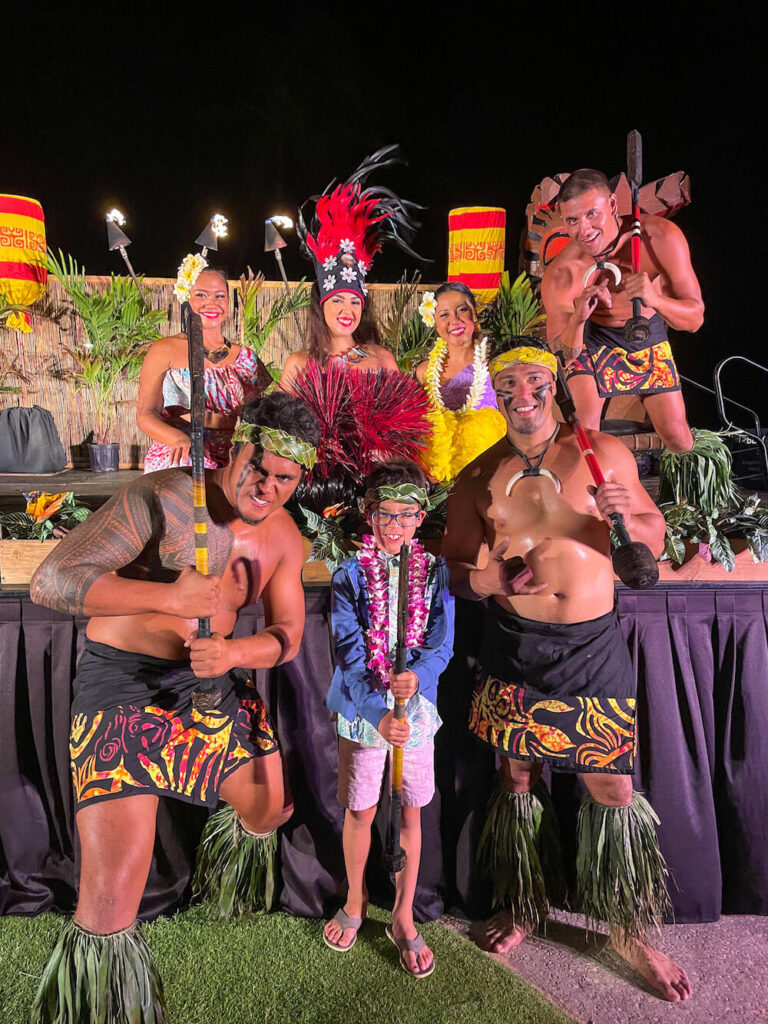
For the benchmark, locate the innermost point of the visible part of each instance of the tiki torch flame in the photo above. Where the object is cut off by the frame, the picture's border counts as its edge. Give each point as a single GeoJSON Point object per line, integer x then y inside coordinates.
{"type": "Point", "coordinates": [219, 225]}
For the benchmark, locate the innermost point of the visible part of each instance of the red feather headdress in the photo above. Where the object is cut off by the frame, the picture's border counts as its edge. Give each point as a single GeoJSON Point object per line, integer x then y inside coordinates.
{"type": "Point", "coordinates": [350, 223]}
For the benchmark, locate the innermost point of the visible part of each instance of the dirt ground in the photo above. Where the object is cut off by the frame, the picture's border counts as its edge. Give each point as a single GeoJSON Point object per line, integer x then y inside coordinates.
{"type": "Point", "coordinates": [727, 963]}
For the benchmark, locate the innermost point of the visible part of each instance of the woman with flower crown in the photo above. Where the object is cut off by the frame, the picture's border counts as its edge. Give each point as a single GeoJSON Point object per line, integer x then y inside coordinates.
{"type": "Point", "coordinates": [233, 375]}
{"type": "Point", "coordinates": [465, 419]}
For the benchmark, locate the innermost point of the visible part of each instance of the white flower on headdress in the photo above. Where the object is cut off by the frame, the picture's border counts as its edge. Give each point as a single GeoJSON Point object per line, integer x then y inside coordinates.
{"type": "Point", "coordinates": [347, 245]}
{"type": "Point", "coordinates": [427, 308]}
{"type": "Point", "coordinates": [329, 263]}
{"type": "Point", "coordinates": [365, 290]}
{"type": "Point", "coordinates": [329, 282]}
{"type": "Point", "coordinates": [348, 274]}
{"type": "Point", "coordinates": [362, 266]}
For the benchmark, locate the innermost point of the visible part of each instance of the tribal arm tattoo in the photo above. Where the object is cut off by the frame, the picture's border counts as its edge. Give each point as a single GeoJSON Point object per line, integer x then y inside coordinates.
{"type": "Point", "coordinates": [569, 352]}
{"type": "Point", "coordinates": [109, 539]}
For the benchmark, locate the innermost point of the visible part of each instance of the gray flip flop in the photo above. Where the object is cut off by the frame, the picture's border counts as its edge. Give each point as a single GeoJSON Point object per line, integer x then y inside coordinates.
{"type": "Point", "coordinates": [410, 946]}
{"type": "Point", "coordinates": [344, 921]}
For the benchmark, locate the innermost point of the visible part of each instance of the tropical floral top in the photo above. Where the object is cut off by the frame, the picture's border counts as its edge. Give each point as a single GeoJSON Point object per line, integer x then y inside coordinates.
{"type": "Point", "coordinates": [227, 389]}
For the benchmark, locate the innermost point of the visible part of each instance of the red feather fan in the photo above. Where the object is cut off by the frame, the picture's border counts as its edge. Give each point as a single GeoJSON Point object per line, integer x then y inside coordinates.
{"type": "Point", "coordinates": [390, 414]}
{"type": "Point", "coordinates": [364, 418]}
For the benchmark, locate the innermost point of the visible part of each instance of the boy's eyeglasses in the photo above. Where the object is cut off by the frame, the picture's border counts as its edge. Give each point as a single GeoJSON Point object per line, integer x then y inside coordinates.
{"type": "Point", "coordinates": [401, 518]}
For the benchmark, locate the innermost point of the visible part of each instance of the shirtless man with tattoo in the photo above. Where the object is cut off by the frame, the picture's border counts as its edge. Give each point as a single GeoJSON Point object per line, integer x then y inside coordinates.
{"type": "Point", "coordinates": [136, 734]}
{"type": "Point", "coordinates": [586, 321]}
{"type": "Point", "coordinates": [529, 532]}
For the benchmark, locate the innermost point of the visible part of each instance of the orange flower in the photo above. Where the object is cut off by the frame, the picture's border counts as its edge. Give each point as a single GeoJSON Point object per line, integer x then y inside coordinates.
{"type": "Point", "coordinates": [334, 511]}
{"type": "Point", "coordinates": [41, 505]}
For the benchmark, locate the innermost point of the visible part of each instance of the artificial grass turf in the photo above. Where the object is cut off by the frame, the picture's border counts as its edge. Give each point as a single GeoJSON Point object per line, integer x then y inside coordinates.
{"type": "Point", "coordinates": [275, 969]}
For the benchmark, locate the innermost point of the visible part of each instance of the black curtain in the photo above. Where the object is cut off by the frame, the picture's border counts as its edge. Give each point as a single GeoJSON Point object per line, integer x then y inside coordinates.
{"type": "Point", "coordinates": [701, 656]}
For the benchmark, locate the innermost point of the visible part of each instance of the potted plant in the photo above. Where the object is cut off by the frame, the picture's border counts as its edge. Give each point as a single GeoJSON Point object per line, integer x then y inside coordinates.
{"type": "Point", "coordinates": [119, 328]}
{"type": "Point", "coordinates": [26, 538]}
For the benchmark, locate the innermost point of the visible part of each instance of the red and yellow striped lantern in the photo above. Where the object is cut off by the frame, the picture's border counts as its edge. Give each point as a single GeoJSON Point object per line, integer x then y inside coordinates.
{"type": "Point", "coordinates": [476, 248]}
{"type": "Point", "coordinates": [22, 255]}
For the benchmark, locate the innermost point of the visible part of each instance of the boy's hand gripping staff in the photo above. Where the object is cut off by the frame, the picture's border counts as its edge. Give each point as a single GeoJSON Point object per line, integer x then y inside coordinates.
{"type": "Point", "coordinates": [637, 330]}
{"type": "Point", "coordinates": [395, 856]}
{"type": "Point", "coordinates": [633, 561]}
{"type": "Point", "coordinates": [206, 696]}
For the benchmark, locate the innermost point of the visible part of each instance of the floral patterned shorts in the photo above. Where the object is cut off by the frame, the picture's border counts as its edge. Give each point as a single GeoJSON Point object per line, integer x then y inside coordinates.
{"type": "Point", "coordinates": [127, 750]}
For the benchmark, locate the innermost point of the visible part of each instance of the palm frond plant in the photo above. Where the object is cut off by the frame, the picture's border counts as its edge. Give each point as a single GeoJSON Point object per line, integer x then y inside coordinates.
{"type": "Point", "coordinates": [514, 311]}
{"type": "Point", "coordinates": [402, 330]}
{"type": "Point", "coordinates": [255, 322]}
{"type": "Point", "coordinates": [118, 330]}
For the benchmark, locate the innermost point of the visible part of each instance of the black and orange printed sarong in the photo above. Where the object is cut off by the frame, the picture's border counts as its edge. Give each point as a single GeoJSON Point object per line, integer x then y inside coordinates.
{"type": "Point", "coordinates": [155, 742]}
{"type": "Point", "coordinates": [559, 694]}
{"type": "Point", "coordinates": [617, 371]}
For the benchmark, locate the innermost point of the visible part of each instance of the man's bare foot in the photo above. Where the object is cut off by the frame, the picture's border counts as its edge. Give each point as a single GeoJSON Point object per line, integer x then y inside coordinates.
{"type": "Point", "coordinates": [499, 934]}
{"type": "Point", "coordinates": [661, 973]}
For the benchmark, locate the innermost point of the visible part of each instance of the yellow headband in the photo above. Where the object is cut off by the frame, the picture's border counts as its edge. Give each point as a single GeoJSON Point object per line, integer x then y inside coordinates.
{"type": "Point", "coordinates": [523, 354]}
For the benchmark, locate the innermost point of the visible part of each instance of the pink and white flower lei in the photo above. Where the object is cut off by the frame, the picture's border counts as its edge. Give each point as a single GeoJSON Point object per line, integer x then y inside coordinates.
{"type": "Point", "coordinates": [376, 581]}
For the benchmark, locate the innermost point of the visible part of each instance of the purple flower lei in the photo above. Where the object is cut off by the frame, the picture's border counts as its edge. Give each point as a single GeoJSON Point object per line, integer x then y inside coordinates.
{"type": "Point", "coordinates": [377, 581]}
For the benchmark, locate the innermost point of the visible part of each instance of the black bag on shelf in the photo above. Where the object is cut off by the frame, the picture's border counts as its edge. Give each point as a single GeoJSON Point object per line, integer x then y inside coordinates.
{"type": "Point", "coordinates": [29, 442]}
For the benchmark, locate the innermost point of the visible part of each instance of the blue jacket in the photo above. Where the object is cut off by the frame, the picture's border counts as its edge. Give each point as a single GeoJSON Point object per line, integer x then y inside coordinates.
{"type": "Point", "coordinates": [354, 688]}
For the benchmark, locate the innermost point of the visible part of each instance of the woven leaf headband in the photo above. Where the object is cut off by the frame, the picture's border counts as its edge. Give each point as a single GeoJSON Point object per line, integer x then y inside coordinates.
{"type": "Point", "coordinates": [272, 439]}
{"type": "Point", "coordinates": [404, 493]}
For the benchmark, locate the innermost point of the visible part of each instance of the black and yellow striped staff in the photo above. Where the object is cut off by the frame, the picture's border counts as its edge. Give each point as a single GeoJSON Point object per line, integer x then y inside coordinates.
{"type": "Point", "coordinates": [395, 856]}
{"type": "Point", "coordinates": [206, 695]}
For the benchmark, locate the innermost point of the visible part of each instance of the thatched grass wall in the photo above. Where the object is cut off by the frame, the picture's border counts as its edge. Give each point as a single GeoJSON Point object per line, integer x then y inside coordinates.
{"type": "Point", "coordinates": [40, 357]}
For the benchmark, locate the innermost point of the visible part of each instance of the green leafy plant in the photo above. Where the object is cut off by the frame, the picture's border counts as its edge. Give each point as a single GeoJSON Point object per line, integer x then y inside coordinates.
{"type": "Point", "coordinates": [746, 518]}
{"type": "Point", "coordinates": [702, 505]}
{"type": "Point", "coordinates": [118, 330]}
{"type": "Point", "coordinates": [700, 477]}
{"type": "Point", "coordinates": [514, 311]}
{"type": "Point", "coordinates": [403, 332]}
{"type": "Point", "coordinates": [255, 322]}
{"type": "Point", "coordinates": [46, 516]}
{"type": "Point", "coordinates": [330, 534]}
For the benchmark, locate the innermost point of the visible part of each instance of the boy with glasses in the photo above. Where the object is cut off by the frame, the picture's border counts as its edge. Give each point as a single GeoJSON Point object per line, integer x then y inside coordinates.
{"type": "Point", "coordinates": [364, 688]}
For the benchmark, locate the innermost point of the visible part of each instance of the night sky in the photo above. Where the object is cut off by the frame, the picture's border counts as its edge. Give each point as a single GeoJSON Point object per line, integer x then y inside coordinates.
{"type": "Point", "coordinates": [172, 119]}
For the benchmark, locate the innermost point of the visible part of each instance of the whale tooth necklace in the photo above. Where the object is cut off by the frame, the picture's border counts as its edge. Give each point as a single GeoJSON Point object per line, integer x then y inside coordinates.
{"type": "Point", "coordinates": [533, 465]}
